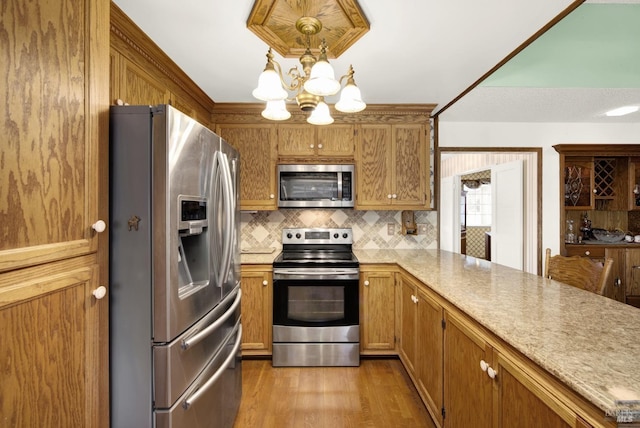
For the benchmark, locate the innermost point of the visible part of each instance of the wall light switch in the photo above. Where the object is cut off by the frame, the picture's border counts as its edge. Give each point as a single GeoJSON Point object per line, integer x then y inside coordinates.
{"type": "Point", "coordinates": [391, 229]}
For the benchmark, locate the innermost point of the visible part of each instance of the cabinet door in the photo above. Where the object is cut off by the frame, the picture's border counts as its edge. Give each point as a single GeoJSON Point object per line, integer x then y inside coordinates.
{"type": "Point", "coordinates": [523, 402]}
{"type": "Point", "coordinates": [467, 388]}
{"type": "Point", "coordinates": [373, 159]}
{"type": "Point", "coordinates": [632, 262]}
{"type": "Point", "coordinates": [578, 183]}
{"type": "Point", "coordinates": [256, 145]}
{"type": "Point", "coordinates": [429, 362]}
{"type": "Point", "coordinates": [49, 325]}
{"type": "Point", "coordinates": [257, 289]}
{"type": "Point", "coordinates": [377, 312]}
{"type": "Point", "coordinates": [410, 166]}
{"type": "Point", "coordinates": [408, 324]}
{"type": "Point", "coordinates": [615, 289]}
{"type": "Point", "coordinates": [336, 141]}
{"type": "Point", "coordinates": [297, 141]}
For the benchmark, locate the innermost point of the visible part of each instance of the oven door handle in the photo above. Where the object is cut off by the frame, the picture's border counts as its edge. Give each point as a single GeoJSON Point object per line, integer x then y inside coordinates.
{"type": "Point", "coordinates": [315, 274]}
{"type": "Point", "coordinates": [187, 343]}
{"type": "Point", "coordinates": [188, 402]}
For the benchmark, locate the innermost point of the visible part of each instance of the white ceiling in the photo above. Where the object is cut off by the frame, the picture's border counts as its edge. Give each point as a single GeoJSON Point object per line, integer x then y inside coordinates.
{"type": "Point", "coordinates": [417, 51]}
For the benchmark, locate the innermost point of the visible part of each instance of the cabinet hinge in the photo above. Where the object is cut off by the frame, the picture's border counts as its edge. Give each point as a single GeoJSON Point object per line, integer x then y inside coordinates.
{"type": "Point", "coordinates": [444, 324]}
{"type": "Point", "coordinates": [444, 413]}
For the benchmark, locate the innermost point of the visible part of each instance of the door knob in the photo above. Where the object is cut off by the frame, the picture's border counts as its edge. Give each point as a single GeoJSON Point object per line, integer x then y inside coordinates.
{"type": "Point", "coordinates": [99, 226]}
{"type": "Point", "coordinates": [100, 292]}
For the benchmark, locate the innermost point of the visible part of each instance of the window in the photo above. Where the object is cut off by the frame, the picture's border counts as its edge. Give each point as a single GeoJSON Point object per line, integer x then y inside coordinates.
{"type": "Point", "coordinates": [478, 208]}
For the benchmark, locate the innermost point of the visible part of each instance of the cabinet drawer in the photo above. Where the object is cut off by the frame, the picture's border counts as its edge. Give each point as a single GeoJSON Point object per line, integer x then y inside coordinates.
{"type": "Point", "coordinates": [591, 251]}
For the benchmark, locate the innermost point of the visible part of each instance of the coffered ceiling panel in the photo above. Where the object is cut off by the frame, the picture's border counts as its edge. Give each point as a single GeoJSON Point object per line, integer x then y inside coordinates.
{"type": "Point", "coordinates": [274, 21]}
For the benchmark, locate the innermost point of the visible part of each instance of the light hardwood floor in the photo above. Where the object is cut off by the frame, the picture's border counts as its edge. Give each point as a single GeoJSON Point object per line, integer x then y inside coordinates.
{"type": "Point", "coordinates": [379, 393]}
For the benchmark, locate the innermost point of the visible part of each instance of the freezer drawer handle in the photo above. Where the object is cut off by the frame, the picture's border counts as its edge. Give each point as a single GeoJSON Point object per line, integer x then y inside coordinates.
{"type": "Point", "coordinates": [213, 379]}
{"type": "Point", "coordinates": [196, 338]}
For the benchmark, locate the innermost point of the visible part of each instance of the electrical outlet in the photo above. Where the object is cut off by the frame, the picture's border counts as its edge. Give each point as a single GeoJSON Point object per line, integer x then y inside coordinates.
{"type": "Point", "coordinates": [422, 228]}
{"type": "Point", "coordinates": [391, 229]}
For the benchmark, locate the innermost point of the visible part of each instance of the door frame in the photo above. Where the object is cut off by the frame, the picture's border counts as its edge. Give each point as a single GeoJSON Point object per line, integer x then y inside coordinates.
{"type": "Point", "coordinates": [537, 151]}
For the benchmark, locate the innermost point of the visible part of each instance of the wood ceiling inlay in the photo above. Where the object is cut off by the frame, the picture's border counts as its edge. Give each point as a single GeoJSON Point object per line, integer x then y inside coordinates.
{"type": "Point", "coordinates": [274, 22]}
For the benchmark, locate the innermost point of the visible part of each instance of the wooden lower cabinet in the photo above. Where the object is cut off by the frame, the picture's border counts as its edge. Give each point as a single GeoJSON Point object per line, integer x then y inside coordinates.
{"type": "Point", "coordinates": [256, 309]}
{"type": "Point", "coordinates": [522, 402]}
{"type": "Point", "coordinates": [52, 350]}
{"type": "Point", "coordinates": [377, 310]}
{"type": "Point", "coordinates": [421, 343]}
{"type": "Point", "coordinates": [487, 384]}
{"type": "Point", "coordinates": [467, 388]}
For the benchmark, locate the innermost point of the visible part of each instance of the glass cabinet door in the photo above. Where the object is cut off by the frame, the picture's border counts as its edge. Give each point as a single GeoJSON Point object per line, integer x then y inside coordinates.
{"type": "Point", "coordinates": [578, 183]}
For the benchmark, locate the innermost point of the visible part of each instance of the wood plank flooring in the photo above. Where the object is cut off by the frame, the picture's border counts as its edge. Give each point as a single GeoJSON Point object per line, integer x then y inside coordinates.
{"type": "Point", "coordinates": [379, 393]}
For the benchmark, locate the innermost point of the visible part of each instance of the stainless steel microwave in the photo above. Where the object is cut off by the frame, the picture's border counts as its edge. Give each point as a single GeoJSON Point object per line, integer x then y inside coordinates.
{"type": "Point", "coordinates": [316, 186]}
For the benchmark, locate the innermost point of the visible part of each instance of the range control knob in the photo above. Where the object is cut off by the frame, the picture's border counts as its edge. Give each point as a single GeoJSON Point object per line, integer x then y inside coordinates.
{"type": "Point", "coordinates": [336, 235]}
{"type": "Point", "coordinates": [298, 235]}
{"type": "Point", "coordinates": [345, 235]}
{"type": "Point", "coordinates": [289, 235]}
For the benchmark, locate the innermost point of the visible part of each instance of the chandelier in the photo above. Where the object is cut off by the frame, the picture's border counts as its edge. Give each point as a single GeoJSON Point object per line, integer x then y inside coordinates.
{"type": "Point", "coordinates": [310, 86]}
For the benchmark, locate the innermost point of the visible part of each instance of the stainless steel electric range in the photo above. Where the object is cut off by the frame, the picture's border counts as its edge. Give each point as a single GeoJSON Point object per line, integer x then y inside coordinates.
{"type": "Point", "coordinates": [315, 299]}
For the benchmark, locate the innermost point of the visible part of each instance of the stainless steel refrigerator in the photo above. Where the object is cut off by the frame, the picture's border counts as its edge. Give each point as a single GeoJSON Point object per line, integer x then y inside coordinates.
{"type": "Point", "coordinates": [175, 329]}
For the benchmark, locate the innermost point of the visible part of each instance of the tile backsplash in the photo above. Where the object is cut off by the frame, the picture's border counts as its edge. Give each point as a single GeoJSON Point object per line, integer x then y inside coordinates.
{"type": "Point", "coordinates": [370, 228]}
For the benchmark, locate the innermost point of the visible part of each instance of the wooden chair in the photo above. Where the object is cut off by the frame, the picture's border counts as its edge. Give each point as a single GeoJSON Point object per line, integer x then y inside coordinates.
{"type": "Point", "coordinates": [577, 271]}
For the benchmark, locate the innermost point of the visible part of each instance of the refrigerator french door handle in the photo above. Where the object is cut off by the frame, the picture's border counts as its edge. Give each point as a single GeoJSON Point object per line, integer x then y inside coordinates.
{"type": "Point", "coordinates": [228, 217]}
{"type": "Point", "coordinates": [188, 402]}
{"type": "Point", "coordinates": [198, 337]}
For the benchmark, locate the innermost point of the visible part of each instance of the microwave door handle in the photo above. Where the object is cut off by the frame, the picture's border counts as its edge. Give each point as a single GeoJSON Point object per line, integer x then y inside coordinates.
{"type": "Point", "coordinates": [188, 402]}
{"type": "Point", "coordinates": [339, 174]}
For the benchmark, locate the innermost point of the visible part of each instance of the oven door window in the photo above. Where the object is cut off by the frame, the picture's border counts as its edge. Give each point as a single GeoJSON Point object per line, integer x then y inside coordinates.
{"type": "Point", "coordinates": [315, 303]}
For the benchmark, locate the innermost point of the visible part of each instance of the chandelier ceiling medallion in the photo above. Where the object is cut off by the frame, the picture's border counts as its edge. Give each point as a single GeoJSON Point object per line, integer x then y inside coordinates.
{"type": "Point", "coordinates": [317, 79]}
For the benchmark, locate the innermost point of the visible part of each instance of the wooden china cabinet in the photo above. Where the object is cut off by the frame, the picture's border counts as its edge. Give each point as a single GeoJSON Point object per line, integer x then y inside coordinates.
{"type": "Point", "coordinates": [600, 188]}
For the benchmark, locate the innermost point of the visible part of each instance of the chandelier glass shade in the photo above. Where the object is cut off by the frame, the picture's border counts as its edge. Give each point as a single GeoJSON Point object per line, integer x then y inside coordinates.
{"type": "Point", "coordinates": [316, 81]}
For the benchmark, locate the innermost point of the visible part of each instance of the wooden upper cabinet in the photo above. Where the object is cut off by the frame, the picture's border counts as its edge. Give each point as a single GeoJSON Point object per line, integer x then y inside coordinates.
{"type": "Point", "coordinates": [393, 167]}
{"type": "Point", "coordinates": [296, 140]}
{"type": "Point", "coordinates": [256, 144]}
{"type": "Point", "coordinates": [310, 143]}
{"type": "Point", "coordinates": [49, 192]}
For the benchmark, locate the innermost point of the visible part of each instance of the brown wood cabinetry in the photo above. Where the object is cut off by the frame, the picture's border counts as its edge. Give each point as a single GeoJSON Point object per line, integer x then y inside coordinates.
{"type": "Point", "coordinates": [256, 308]}
{"type": "Point", "coordinates": [308, 143]}
{"type": "Point", "coordinates": [421, 342]}
{"type": "Point", "coordinates": [54, 175]}
{"type": "Point", "coordinates": [488, 385]}
{"type": "Point", "coordinates": [377, 310]}
{"type": "Point", "coordinates": [393, 167]}
{"type": "Point", "coordinates": [256, 145]}
{"type": "Point", "coordinates": [142, 74]}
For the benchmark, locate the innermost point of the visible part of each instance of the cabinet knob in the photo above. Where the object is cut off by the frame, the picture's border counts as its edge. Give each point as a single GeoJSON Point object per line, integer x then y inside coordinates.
{"type": "Point", "coordinates": [265, 282]}
{"type": "Point", "coordinates": [394, 196]}
{"type": "Point", "coordinates": [311, 146]}
{"type": "Point", "coordinates": [319, 146]}
{"type": "Point", "coordinates": [492, 373]}
{"type": "Point", "coordinates": [366, 283]}
{"type": "Point", "coordinates": [483, 365]}
{"type": "Point", "coordinates": [99, 226]}
{"type": "Point", "coordinates": [618, 282]}
{"type": "Point", "coordinates": [595, 190]}
{"type": "Point", "coordinates": [587, 253]}
{"type": "Point", "coordinates": [100, 292]}
{"type": "Point", "coordinates": [389, 196]}
{"type": "Point", "coordinates": [272, 196]}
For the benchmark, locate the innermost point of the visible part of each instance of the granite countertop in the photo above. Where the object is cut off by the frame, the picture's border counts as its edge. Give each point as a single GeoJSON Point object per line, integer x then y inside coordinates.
{"type": "Point", "coordinates": [589, 342]}
{"type": "Point", "coordinates": [259, 256]}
